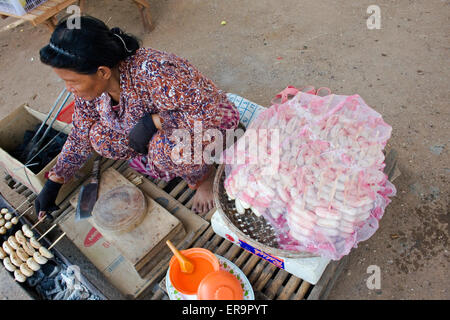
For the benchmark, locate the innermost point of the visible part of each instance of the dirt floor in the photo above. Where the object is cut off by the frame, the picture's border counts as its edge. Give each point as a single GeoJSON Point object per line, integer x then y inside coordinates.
{"type": "Point", "coordinates": [399, 70]}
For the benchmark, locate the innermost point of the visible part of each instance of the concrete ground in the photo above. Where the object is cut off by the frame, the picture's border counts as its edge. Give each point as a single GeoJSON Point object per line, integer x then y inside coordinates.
{"type": "Point", "coordinates": [400, 70]}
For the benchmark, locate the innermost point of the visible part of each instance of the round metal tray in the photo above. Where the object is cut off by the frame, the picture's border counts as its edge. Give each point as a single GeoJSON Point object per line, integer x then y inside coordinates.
{"type": "Point", "coordinates": [254, 230]}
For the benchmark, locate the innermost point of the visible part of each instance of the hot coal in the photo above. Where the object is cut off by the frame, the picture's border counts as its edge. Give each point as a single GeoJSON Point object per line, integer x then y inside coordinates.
{"type": "Point", "coordinates": [58, 282]}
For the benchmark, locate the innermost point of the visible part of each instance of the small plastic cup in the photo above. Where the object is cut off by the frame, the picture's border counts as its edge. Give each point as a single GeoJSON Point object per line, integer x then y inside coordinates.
{"type": "Point", "coordinates": [204, 261]}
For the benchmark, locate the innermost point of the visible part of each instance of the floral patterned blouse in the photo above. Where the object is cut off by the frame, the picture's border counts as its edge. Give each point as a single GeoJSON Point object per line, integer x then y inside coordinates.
{"type": "Point", "coordinates": [151, 81]}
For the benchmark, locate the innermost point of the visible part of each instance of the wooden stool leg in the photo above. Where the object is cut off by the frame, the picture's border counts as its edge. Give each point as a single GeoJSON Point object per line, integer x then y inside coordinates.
{"type": "Point", "coordinates": [145, 15]}
{"type": "Point", "coordinates": [51, 23]}
{"type": "Point", "coordinates": [83, 6]}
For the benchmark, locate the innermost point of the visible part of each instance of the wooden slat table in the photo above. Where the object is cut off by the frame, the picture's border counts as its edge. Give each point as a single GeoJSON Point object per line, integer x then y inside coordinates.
{"type": "Point", "coordinates": [46, 12]}
{"type": "Point", "coordinates": [268, 281]}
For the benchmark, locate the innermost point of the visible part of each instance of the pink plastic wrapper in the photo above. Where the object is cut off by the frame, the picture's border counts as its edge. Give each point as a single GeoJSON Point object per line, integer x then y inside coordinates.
{"type": "Point", "coordinates": [313, 167]}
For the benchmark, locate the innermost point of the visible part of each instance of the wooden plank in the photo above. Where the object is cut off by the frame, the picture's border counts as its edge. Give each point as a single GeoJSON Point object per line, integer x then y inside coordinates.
{"type": "Point", "coordinates": [276, 284]}
{"type": "Point", "coordinates": [233, 252]}
{"type": "Point", "coordinates": [214, 242]}
{"type": "Point", "coordinates": [254, 275]}
{"type": "Point", "coordinates": [154, 268]}
{"type": "Point", "coordinates": [265, 276]}
{"type": "Point", "coordinates": [200, 242]}
{"type": "Point", "coordinates": [289, 288]}
{"type": "Point", "coordinates": [250, 264]}
{"type": "Point", "coordinates": [185, 195]}
{"type": "Point", "coordinates": [301, 292]}
{"type": "Point", "coordinates": [341, 265]}
{"type": "Point", "coordinates": [178, 188]}
{"type": "Point", "coordinates": [242, 258]}
{"type": "Point", "coordinates": [12, 15]}
{"type": "Point", "coordinates": [223, 248]}
{"type": "Point", "coordinates": [159, 294]}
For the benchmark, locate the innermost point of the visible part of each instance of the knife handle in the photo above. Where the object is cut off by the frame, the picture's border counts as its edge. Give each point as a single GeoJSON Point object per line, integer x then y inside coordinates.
{"type": "Point", "coordinates": [96, 170]}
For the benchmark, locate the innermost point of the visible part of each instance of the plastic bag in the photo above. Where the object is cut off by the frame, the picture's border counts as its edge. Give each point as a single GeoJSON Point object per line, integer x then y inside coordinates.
{"type": "Point", "coordinates": [317, 172]}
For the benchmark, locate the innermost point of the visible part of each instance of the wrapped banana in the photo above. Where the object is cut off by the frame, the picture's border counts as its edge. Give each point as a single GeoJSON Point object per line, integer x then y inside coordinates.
{"type": "Point", "coordinates": [8, 216]}
{"type": "Point", "coordinates": [15, 220]}
{"type": "Point", "coordinates": [20, 237]}
{"type": "Point", "coordinates": [239, 207]}
{"type": "Point", "coordinates": [3, 230]}
{"type": "Point", "coordinates": [22, 254]}
{"type": "Point", "coordinates": [13, 242]}
{"type": "Point", "coordinates": [8, 264]}
{"type": "Point", "coordinates": [8, 225]}
{"type": "Point", "coordinates": [34, 243]}
{"type": "Point", "coordinates": [3, 254]}
{"type": "Point", "coordinates": [19, 276]}
{"type": "Point", "coordinates": [27, 231]}
{"type": "Point", "coordinates": [46, 253]}
{"type": "Point", "coordinates": [33, 265]}
{"type": "Point", "coordinates": [39, 258]}
{"type": "Point", "coordinates": [26, 270]}
{"type": "Point", "coordinates": [28, 249]}
{"type": "Point", "coordinates": [7, 247]}
{"type": "Point", "coordinates": [15, 259]}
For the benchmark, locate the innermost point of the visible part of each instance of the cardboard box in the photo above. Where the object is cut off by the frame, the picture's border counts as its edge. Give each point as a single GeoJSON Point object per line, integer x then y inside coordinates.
{"type": "Point", "coordinates": [108, 260]}
{"type": "Point", "coordinates": [12, 130]}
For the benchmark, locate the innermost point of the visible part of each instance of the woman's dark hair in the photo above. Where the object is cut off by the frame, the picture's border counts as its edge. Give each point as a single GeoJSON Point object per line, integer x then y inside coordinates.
{"type": "Point", "coordinates": [85, 49]}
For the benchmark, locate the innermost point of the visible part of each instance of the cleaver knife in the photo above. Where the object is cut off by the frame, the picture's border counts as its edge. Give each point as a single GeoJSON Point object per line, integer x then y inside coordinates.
{"type": "Point", "coordinates": [88, 193]}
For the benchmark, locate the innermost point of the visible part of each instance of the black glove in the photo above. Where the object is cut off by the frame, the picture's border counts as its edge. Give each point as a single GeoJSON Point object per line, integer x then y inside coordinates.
{"type": "Point", "coordinates": [141, 134]}
{"type": "Point", "coordinates": [47, 197]}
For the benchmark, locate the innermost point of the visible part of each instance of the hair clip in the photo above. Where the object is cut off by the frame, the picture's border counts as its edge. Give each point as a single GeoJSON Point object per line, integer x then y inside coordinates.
{"type": "Point", "coordinates": [125, 46]}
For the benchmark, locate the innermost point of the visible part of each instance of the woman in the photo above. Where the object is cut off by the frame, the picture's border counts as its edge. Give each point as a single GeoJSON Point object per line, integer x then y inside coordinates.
{"type": "Point", "coordinates": [128, 102]}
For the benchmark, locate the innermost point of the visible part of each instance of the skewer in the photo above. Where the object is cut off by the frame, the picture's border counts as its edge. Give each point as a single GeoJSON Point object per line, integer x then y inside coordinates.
{"type": "Point", "coordinates": [46, 232]}
{"type": "Point", "coordinates": [333, 192]}
{"type": "Point", "coordinates": [357, 190]}
{"type": "Point", "coordinates": [304, 198]}
{"type": "Point", "coordinates": [358, 132]}
{"type": "Point", "coordinates": [35, 225]}
{"type": "Point", "coordinates": [350, 183]}
{"type": "Point", "coordinates": [21, 205]}
{"type": "Point", "coordinates": [320, 185]}
{"type": "Point", "coordinates": [25, 212]}
{"type": "Point", "coordinates": [57, 240]}
{"type": "Point", "coordinates": [372, 146]}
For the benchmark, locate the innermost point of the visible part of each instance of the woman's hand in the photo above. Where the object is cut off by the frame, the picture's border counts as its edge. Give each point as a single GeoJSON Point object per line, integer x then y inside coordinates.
{"type": "Point", "coordinates": [45, 201]}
